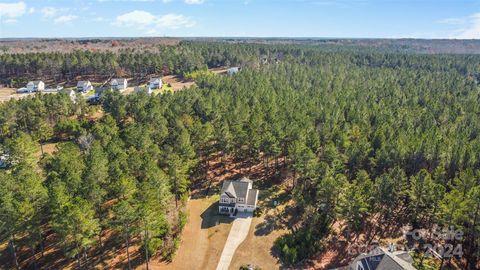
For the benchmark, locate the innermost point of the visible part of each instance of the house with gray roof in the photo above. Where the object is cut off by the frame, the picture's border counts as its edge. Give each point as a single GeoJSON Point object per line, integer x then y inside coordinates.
{"type": "Point", "coordinates": [84, 86]}
{"type": "Point", "coordinates": [155, 83]}
{"type": "Point", "coordinates": [35, 86]}
{"type": "Point", "coordinates": [383, 259]}
{"type": "Point", "coordinates": [118, 84]}
{"type": "Point", "coordinates": [238, 195]}
{"type": "Point", "coordinates": [233, 70]}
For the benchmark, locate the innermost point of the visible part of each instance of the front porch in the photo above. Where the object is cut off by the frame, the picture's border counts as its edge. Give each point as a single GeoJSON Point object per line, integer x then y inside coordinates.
{"type": "Point", "coordinates": [226, 208]}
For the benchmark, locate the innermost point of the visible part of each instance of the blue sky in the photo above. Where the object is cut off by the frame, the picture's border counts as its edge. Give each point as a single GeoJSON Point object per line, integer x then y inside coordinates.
{"type": "Point", "coordinates": [255, 18]}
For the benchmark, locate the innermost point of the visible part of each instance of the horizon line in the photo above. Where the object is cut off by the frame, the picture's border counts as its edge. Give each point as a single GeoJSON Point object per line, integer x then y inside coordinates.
{"type": "Point", "coordinates": [238, 37]}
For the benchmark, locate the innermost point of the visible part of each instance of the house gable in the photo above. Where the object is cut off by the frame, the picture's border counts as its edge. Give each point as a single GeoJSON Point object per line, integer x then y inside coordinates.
{"type": "Point", "coordinates": [239, 195]}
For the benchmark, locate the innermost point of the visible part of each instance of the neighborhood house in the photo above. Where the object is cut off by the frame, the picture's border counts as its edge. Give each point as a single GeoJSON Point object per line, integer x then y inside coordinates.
{"type": "Point", "coordinates": [155, 83]}
{"type": "Point", "coordinates": [118, 84]}
{"type": "Point", "coordinates": [383, 259]}
{"type": "Point", "coordinates": [238, 195]}
{"type": "Point", "coordinates": [233, 70]}
{"type": "Point", "coordinates": [84, 86]}
{"type": "Point", "coordinates": [35, 86]}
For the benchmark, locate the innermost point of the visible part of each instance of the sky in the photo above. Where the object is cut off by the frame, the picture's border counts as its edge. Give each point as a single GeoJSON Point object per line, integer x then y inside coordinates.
{"type": "Point", "coordinates": [458, 19]}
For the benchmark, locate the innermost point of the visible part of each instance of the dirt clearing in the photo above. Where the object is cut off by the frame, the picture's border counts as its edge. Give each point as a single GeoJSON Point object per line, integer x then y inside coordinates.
{"type": "Point", "coordinates": [177, 82]}
{"type": "Point", "coordinates": [9, 93]}
{"type": "Point", "coordinates": [202, 239]}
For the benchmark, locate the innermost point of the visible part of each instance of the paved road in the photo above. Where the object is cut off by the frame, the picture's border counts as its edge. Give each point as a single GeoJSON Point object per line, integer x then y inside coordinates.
{"type": "Point", "coordinates": [238, 233]}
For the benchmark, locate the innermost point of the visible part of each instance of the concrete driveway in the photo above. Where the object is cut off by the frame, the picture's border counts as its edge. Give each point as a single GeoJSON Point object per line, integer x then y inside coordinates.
{"type": "Point", "coordinates": [238, 233]}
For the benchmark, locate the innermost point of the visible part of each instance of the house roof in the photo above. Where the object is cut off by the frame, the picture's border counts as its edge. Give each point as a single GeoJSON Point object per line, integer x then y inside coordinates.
{"type": "Point", "coordinates": [35, 82]}
{"type": "Point", "coordinates": [236, 188]}
{"type": "Point", "coordinates": [233, 70]}
{"type": "Point", "coordinates": [252, 197]}
{"type": "Point", "coordinates": [155, 80]}
{"type": "Point", "coordinates": [382, 259]}
{"type": "Point", "coordinates": [230, 190]}
{"type": "Point", "coordinates": [83, 83]}
{"type": "Point", "coordinates": [118, 81]}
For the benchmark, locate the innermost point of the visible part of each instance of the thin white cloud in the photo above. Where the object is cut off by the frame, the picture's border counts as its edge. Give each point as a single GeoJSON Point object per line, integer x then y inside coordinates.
{"type": "Point", "coordinates": [472, 30]}
{"type": "Point", "coordinates": [49, 12]}
{"type": "Point", "coordinates": [152, 24]}
{"type": "Point", "coordinates": [174, 21]}
{"type": "Point", "coordinates": [453, 21]}
{"type": "Point", "coordinates": [463, 27]}
{"type": "Point", "coordinates": [337, 3]}
{"type": "Point", "coordinates": [99, 19]}
{"type": "Point", "coordinates": [65, 19]}
{"type": "Point", "coordinates": [127, 0]}
{"type": "Point", "coordinates": [12, 10]}
{"type": "Point", "coordinates": [194, 2]}
{"type": "Point", "coordinates": [10, 21]}
{"type": "Point", "coordinates": [135, 18]}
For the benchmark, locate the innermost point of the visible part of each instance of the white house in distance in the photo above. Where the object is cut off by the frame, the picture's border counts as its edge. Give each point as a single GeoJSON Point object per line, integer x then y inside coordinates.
{"type": "Point", "coordinates": [237, 195]}
{"type": "Point", "coordinates": [35, 86]}
{"type": "Point", "coordinates": [73, 96]}
{"type": "Point", "coordinates": [139, 89]}
{"type": "Point", "coordinates": [233, 70]}
{"type": "Point", "coordinates": [155, 83]}
{"type": "Point", "coordinates": [118, 84]}
{"type": "Point", "coordinates": [84, 86]}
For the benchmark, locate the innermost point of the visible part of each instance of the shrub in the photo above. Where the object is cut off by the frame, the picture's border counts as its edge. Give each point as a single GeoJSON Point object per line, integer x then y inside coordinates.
{"type": "Point", "coordinates": [257, 212]}
{"type": "Point", "coordinates": [249, 267]}
{"type": "Point", "coordinates": [182, 220]}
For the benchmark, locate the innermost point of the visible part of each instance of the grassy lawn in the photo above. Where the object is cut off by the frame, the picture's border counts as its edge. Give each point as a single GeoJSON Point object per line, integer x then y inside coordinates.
{"type": "Point", "coordinates": [202, 239]}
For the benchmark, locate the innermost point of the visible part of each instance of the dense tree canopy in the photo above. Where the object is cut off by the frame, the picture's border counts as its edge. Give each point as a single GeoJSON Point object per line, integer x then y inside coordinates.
{"type": "Point", "coordinates": [385, 135]}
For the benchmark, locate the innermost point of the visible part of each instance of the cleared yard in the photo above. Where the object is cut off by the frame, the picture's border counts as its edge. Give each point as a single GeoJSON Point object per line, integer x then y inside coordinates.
{"type": "Point", "coordinates": [203, 237]}
{"type": "Point", "coordinates": [256, 249]}
{"type": "Point", "coordinates": [8, 93]}
{"type": "Point", "coordinates": [176, 82]}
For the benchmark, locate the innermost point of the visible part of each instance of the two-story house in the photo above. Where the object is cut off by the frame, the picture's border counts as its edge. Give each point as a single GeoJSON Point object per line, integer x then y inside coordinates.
{"type": "Point", "coordinates": [238, 195]}
{"type": "Point", "coordinates": [35, 86]}
{"type": "Point", "coordinates": [383, 259]}
{"type": "Point", "coordinates": [155, 83]}
{"type": "Point", "coordinates": [118, 84]}
{"type": "Point", "coordinates": [84, 86]}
